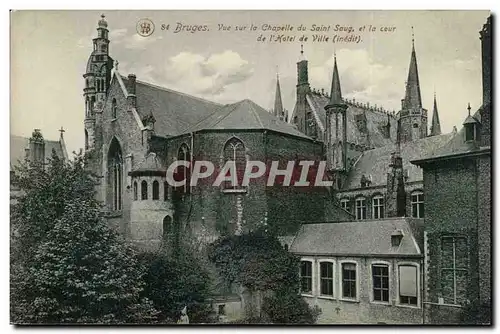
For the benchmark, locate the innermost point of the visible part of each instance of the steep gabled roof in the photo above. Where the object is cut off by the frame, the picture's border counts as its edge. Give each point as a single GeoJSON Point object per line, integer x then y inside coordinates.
{"type": "Point", "coordinates": [375, 163]}
{"type": "Point", "coordinates": [18, 145]}
{"type": "Point", "coordinates": [359, 238]}
{"type": "Point", "coordinates": [244, 115]}
{"type": "Point", "coordinates": [374, 122]}
{"type": "Point", "coordinates": [173, 111]}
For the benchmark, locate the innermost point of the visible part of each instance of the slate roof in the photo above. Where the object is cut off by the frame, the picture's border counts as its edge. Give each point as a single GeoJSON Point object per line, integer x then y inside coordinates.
{"type": "Point", "coordinates": [173, 111]}
{"type": "Point", "coordinates": [375, 163]}
{"type": "Point", "coordinates": [374, 121]}
{"type": "Point", "coordinates": [150, 163]}
{"type": "Point", "coordinates": [18, 144]}
{"type": "Point", "coordinates": [244, 115]}
{"type": "Point", "coordinates": [360, 238]}
{"type": "Point", "coordinates": [454, 146]}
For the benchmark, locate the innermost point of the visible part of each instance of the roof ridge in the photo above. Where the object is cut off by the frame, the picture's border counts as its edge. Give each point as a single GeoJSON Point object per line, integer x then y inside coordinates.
{"type": "Point", "coordinates": [254, 112]}
{"type": "Point", "coordinates": [175, 91]}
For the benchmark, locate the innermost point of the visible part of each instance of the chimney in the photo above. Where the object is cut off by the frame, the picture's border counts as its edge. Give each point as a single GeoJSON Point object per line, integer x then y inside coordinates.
{"type": "Point", "coordinates": [396, 194]}
{"type": "Point", "coordinates": [131, 98]}
{"type": "Point", "coordinates": [36, 148]}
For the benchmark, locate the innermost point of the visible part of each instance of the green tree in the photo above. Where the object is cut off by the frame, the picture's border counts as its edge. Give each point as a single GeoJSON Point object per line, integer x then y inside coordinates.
{"type": "Point", "coordinates": [258, 262]}
{"type": "Point", "coordinates": [78, 270]}
{"type": "Point", "coordinates": [175, 282]}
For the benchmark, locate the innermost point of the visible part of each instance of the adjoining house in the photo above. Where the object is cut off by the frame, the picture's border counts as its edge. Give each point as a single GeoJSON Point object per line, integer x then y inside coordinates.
{"type": "Point", "coordinates": [363, 272]}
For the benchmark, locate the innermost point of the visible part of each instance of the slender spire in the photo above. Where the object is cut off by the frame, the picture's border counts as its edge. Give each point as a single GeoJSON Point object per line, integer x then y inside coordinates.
{"type": "Point", "coordinates": [278, 104]}
{"type": "Point", "coordinates": [436, 125]}
{"type": "Point", "coordinates": [335, 93]}
{"type": "Point", "coordinates": [413, 99]}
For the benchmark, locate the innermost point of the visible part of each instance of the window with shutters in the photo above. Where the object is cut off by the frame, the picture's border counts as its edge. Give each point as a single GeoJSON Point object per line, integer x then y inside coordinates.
{"type": "Point", "coordinates": [408, 285]}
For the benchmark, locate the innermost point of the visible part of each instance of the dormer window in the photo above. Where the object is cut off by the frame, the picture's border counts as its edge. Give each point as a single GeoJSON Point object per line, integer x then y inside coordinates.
{"type": "Point", "coordinates": [396, 238]}
{"type": "Point", "coordinates": [471, 127]}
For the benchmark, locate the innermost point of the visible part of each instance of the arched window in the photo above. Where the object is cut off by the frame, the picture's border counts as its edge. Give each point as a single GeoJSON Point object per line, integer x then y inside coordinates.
{"type": "Point", "coordinates": [360, 208]}
{"type": "Point", "coordinates": [167, 227]}
{"type": "Point", "coordinates": [156, 190]}
{"type": "Point", "coordinates": [113, 108]}
{"type": "Point", "coordinates": [378, 207]}
{"type": "Point", "coordinates": [103, 87]}
{"type": "Point", "coordinates": [144, 190]}
{"type": "Point", "coordinates": [135, 190]}
{"type": "Point", "coordinates": [115, 175]}
{"type": "Point", "coordinates": [98, 85]}
{"type": "Point", "coordinates": [417, 204]}
{"type": "Point", "coordinates": [234, 150]}
{"type": "Point", "coordinates": [184, 172]}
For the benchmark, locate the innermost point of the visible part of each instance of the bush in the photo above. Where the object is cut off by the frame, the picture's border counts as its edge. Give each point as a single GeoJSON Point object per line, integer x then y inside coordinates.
{"type": "Point", "coordinates": [289, 308]}
{"type": "Point", "coordinates": [172, 283]}
{"type": "Point", "coordinates": [476, 314]}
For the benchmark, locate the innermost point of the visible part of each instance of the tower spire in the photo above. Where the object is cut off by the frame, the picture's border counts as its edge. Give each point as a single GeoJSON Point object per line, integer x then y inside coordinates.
{"type": "Point", "coordinates": [278, 104]}
{"type": "Point", "coordinates": [413, 99]}
{"type": "Point", "coordinates": [336, 92]}
{"type": "Point", "coordinates": [436, 125]}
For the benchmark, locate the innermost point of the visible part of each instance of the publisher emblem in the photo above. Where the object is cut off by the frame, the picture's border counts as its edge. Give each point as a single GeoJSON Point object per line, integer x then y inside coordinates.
{"type": "Point", "coordinates": [145, 27]}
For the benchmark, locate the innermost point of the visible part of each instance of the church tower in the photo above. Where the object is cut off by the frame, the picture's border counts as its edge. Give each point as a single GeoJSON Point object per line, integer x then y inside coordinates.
{"type": "Point", "coordinates": [412, 118]}
{"type": "Point", "coordinates": [303, 88]}
{"type": "Point", "coordinates": [436, 125]}
{"type": "Point", "coordinates": [278, 110]}
{"type": "Point", "coordinates": [97, 77]}
{"type": "Point", "coordinates": [336, 131]}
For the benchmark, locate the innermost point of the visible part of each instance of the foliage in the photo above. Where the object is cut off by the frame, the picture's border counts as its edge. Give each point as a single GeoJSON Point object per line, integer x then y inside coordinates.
{"type": "Point", "coordinates": [258, 262]}
{"type": "Point", "coordinates": [289, 308]}
{"type": "Point", "coordinates": [77, 270]}
{"type": "Point", "coordinates": [172, 283]}
{"type": "Point", "coordinates": [255, 260]}
{"type": "Point", "coordinates": [476, 314]}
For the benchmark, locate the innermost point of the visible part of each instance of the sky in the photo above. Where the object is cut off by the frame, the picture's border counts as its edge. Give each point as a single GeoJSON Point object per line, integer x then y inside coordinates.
{"type": "Point", "coordinates": [50, 49]}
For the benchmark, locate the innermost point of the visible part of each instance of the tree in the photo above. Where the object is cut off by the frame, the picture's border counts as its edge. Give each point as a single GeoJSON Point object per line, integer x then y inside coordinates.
{"type": "Point", "coordinates": [258, 262]}
{"type": "Point", "coordinates": [174, 282]}
{"type": "Point", "coordinates": [78, 270]}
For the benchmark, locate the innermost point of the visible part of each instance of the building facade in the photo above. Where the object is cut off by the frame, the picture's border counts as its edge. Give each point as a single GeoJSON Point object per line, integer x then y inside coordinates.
{"type": "Point", "coordinates": [363, 272]}
{"type": "Point", "coordinates": [457, 179]}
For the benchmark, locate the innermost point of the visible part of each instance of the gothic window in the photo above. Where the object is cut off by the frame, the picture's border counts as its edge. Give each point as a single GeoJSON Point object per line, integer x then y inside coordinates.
{"type": "Point", "coordinates": [408, 285]}
{"type": "Point", "coordinates": [417, 204]}
{"type": "Point", "coordinates": [349, 283]}
{"type": "Point", "coordinates": [156, 190]}
{"type": "Point", "coordinates": [98, 85]}
{"type": "Point", "coordinates": [326, 278]}
{"type": "Point", "coordinates": [360, 208]}
{"type": "Point", "coordinates": [135, 190]}
{"type": "Point", "coordinates": [234, 150]}
{"type": "Point", "coordinates": [165, 191]}
{"type": "Point", "coordinates": [344, 203]}
{"type": "Point", "coordinates": [183, 172]}
{"type": "Point", "coordinates": [115, 175]}
{"type": "Point", "coordinates": [144, 190]}
{"type": "Point", "coordinates": [380, 279]}
{"type": "Point", "coordinates": [306, 277]}
{"type": "Point", "coordinates": [378, 207]}
{"type": "Point", "coordinates": [454, 272]}
{"type": "Point", "coordinates": [113, 108]}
